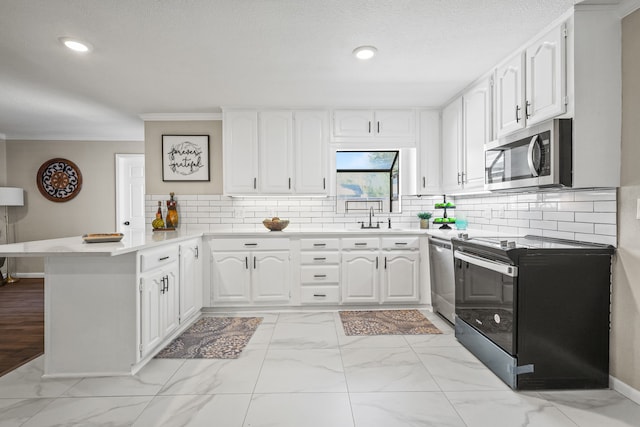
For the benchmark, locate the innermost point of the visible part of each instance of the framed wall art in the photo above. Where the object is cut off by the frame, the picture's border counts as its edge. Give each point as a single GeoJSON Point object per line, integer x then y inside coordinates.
{"type": "Point", "coordinates": [185, 157]}
{"type": "Point", "coordinates": [59, 180]}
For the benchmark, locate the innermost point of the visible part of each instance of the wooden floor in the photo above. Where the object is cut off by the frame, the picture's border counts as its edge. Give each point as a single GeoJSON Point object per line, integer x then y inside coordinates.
{"type": "Point", "coordinates": [21, 323]}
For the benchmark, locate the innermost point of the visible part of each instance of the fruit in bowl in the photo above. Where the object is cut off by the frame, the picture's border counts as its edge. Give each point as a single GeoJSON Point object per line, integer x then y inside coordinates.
{"type": "Point", "coordinates": [275, 223]}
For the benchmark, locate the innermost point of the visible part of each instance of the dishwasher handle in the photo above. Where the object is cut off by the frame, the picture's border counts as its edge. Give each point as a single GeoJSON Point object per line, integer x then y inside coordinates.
{"type": "Point", "coordinates": [441, 243]}
{"type": "Point", "coordinates": [502, 268]}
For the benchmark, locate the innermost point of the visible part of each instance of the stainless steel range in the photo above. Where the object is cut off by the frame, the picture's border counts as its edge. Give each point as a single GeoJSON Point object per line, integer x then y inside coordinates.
{"type": "Point", "coordinates": [535, 310]}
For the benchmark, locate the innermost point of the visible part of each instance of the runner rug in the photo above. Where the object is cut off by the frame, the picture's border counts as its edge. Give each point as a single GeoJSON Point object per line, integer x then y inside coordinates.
{"type": "Point", "coordinates": [386, 322]}
{"type": "Point", "coordinates": [212, 338]}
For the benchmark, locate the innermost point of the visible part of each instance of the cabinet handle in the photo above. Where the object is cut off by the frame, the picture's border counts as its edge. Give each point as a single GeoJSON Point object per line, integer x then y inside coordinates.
{"type": "Point", "coordinates": [517, 114]}
{"type": "Point", "coordinates": [376, 263]}
{"type": "Point", "coordinates": [320, 244]}
{"type": "Point", "coordinates": [254, 263]}
{"type": "Point", "coordinates": [320, 295]}
{"type": "Point", "coordinates": [251, 244]}
{"type": "Point", "coordinates": [360, 244]}
{"type": "Point", "coordinates": [320, 259]}
{"type": "Point", "coordinates": [462, 175]}
{"type": "Point", "coordinates": [255, 183]}
{"type": "Point", "coordinates": [369, 126]}
{"type": "Point", "coordinates": [324, 183]}
{"type": "Point", "coordinates": [246, 262]}
{"type": "Point", "coordinates": [378, 127]}
{"type": "Point", "coordinates": [458, 178]}
{"type": "Point", "coordinates": [289, 183]}
{"type": "Point", "coordinates": [526, 109]}
{"type": "Point", "coordinates": [163, 258]}
{"type": "Point", "coordinates": [166, 283]}
{"type": "Point", "coordinates": [385, 263]}
{"type": "Point", "coordinates": [196, 249]}
{"type": "Point", "coordinates": [401, 243]}
{"type": "Point", "coordinates": [424, 182]}
{"type": "Point", "coordinates": [320, 276]}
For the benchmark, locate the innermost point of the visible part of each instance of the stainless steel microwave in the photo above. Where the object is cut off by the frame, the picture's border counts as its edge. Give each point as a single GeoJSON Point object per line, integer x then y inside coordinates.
{"type": "Point", "coordinates": [539, 156]}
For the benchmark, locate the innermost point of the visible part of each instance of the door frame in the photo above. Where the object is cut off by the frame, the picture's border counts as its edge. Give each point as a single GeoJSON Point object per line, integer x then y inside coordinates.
{"type": "Point", "coordinates": [118, 159]}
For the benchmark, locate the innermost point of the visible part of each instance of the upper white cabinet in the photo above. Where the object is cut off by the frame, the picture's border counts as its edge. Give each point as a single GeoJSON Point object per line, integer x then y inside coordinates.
{"type": "Point", "coordinates": [530, 86]}
{"type": "Point", "coordinates": [275, 152]}
{"type": "Point", "coordinates": [311, 138]}
{"type": "Point", "coordinates": [452, 146]}
{"type": "Point", "coordinates": [369, 125]}
{"type": "Point", "coordinates": [476, 131]}
{"type": "Point", "coordinates": [429, 176]}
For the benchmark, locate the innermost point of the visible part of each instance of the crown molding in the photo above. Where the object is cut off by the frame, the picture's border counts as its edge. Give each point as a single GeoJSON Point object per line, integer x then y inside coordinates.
{"type": "Point", "coordinates": [174, 117]}
{"type": "Point", "coordinates": [627, 7]}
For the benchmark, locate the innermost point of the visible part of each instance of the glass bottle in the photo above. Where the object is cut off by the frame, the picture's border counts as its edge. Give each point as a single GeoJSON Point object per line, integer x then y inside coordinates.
{"type": "Point", "coordinates": [172, 213]}
{"type": "Point", "coordinates": [158, 222]}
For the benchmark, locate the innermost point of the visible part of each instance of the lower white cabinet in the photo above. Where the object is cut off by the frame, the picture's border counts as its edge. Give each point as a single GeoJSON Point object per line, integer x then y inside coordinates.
{"type": "Point", "coordinates": [159, 296]}
{"type": "Point", "coordinates": [320, 271]}
{"type": "Point", "coordinates": [250, 271]}
{"type": "Point", "coordinates": [190, 278]}
{"type": "Point", "coordinates": [360, 277]}
{"type": "Point", "coordinates": [400, 276]}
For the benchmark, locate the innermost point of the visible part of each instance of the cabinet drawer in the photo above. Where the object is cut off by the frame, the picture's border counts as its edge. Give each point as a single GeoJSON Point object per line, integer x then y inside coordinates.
{"type": "Point", "coordinates": [320, 258]}
{"type": "Point", "coordinates": [319, 295]}
{"type": "Point", "coordinates": [319, 244]}
{"type": "Point", "coordinates": [319, 274]}
{"type": "Point", "coordinates": [249, 244]}
{"type": "Point", "coordinates": [361, 243]}
{"type": "Point", "coordinates": [154, 258]}
{"type": "Point", "coordinates": [399, 242]}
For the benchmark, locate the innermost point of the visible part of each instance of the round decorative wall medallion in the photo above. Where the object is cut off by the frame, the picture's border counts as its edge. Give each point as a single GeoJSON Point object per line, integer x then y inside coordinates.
{"type": "Point", "coordinates": [59, 180]}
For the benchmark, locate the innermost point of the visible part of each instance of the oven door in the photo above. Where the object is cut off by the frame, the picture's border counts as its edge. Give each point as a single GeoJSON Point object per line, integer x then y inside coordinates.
{"type": "Point", "coordinates": [485, 297]}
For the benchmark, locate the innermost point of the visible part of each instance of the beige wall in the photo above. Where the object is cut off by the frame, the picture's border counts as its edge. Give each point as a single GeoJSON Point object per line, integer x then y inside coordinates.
{"type": "Point", "coordinates": [153, 131]}
{"type": "Point", "coordinates": [91, 211]}
{"type": "Point", "coordinates": [625, 336]}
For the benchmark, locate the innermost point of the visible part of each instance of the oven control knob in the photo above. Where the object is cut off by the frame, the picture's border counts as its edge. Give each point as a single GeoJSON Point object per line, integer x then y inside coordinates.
{"type": "Point", "coordinates": [496, 318]}
{"type": "Point", "coordinates": [503, 243]}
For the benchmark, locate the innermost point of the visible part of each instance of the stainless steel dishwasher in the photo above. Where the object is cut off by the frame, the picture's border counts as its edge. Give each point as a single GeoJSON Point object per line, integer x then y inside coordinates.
{"type": "Point", "coordinates": [442, 277]}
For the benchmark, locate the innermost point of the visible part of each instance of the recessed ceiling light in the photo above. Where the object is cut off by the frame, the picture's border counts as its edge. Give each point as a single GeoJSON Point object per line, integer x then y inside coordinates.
{"type": "Point", "coordinates": [365, 52]}
{"type": "Point", "coordinates": [75, 45]}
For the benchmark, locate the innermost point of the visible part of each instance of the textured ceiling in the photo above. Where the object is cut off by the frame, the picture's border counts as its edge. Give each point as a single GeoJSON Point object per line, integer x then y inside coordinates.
{"type": "Point", "coordinates": [193, 56]}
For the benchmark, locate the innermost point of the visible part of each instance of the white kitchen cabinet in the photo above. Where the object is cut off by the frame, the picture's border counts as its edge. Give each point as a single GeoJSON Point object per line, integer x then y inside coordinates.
{"type": "Point", "coordinates": [360, 277]}
{"type": "Point", "coordinates": [311, 129]}
{"type": "Point", "coordinates": [368, 125]}
{"type": "Point", "coordinates": [190, 278]}
{"type": "Point", "coordinates": [531, 85]}
{"type": "Point", "coordinates": [319, 270]}
{"type": "Point", "coordinates": [452, 146]}
{"type": "Point", "coordinates": [400, 276]}
{"type": "Point", "coordinates": [275, 152]}
{"type": "Point", "coordinates": [255, 271]}
{"type": "Point", "coordinates": [240, 130]}
{"type": "Point", "coordinates": [476, 132]}
{"type": "Point", "coordinates": [545, 76]}
{"type": "Point", "coordinates": [159, 296]}
{"type": "Point", "coordinates": [429, 168]}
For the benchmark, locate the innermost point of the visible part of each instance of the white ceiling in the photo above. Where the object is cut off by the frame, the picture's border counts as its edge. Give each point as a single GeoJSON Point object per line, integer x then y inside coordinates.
{"type": "Point", "coordinates": [193, 56]}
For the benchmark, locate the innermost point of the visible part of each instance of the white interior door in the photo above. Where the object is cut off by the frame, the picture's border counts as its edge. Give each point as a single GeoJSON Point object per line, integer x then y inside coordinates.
{"type": "Point", "coordinates": [130, 193]}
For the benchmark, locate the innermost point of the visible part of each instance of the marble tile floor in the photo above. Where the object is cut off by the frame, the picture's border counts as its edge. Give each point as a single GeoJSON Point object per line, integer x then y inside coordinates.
{"type": "Point", "coordinates": [300, 370]}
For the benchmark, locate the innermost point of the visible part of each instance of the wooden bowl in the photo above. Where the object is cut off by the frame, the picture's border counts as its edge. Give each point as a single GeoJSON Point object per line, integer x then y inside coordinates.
{"type": "Point", "coordinates": [277, 225]}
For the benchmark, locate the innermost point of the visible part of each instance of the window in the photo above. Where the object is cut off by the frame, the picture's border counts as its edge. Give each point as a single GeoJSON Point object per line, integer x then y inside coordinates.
{"type": "Point", "coordinates": [367, 179]}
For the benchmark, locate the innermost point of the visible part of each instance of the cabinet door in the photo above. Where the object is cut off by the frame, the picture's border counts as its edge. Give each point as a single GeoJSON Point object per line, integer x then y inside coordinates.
{"type": "Point", "coordinates": [352, 123]}
{"type": "Point", "coordinates": [190, 279]}
{"type": "Point", "coordinates": [394, 123]}
{"type": "Point", "coordinates": [240, 152]}
{"type": "Point", "coordinates": [509, 96]}
{"type": "Point", "coordinates": [275, 152]}
{"type": "Point", "coordinates": [451, 146]}
{"type": "Point", "coordinates": [401, 272]}
{"type": "Point", "coordinates": [170, 301]}
{"type": "Point", "coordinates": [230, 277]}
{"type": "Point", "coordinates": [270, 276]}
{"type": "Point", "coordinates": [360, 277]}
{"type": "Point", "coordinates": [429, 152]}
{"type": "Point", "coordinates": [310, 139]}
{"type": "Point", "coordinates": [476, 119]}
{"type": "Point", "coordinates": [151, 286]}
{"type": "Point", "coordinates": [545, 77]}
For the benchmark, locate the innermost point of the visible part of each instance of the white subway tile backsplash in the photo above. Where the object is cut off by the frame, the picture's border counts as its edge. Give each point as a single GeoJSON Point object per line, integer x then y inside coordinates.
{"type": "Point", "coordinates": [558, 234]}
{"type": "Point", "coordinates": [609, 194]}
{"type": "Point", "coordinates": [597, 238]}
{"type": "Point", "coordinates": [537, 215]}
{"type": "Point", "coordinates": [576, 227]}
{"type": "Point", "coordinates": [605, 218]}
{"type": "Point", "coordinates": [544, 225]}
{"type": "Point", "coordinates": [576, 206]}
{"type": "Point", "coordinates": [608, 206]}
{"type": "Point", "coordinates": [558, 197]}
{"type": "Point", "coordinates": [606, 229]}
{"type": "Point", "coordinates": [558, 216]}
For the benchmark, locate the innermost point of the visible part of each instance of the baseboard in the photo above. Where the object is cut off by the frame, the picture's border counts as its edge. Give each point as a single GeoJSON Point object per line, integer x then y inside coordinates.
{"type": "Point", "coordinates": [28, 275]}
{"type": "Point", "coordinates": [624, 389]}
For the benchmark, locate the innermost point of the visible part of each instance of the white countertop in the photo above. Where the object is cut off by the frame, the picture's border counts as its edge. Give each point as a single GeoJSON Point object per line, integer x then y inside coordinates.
{"type": "Point", "coordinates": [137, 241]}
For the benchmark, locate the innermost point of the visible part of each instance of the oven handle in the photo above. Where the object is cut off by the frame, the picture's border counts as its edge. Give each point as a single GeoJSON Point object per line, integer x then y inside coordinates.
{"type": "Point", "coordinates": [506, 269]}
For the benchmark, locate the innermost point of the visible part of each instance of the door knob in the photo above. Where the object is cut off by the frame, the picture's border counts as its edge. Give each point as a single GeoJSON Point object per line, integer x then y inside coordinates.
{"type": "Point", "coordinates": [126, 223]}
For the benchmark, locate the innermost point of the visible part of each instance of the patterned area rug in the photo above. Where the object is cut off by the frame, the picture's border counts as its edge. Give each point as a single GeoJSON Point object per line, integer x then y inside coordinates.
{"type": "Point", "coordinates": [386, 322]}
{"type": "Point", "coordinates": [212, 338]}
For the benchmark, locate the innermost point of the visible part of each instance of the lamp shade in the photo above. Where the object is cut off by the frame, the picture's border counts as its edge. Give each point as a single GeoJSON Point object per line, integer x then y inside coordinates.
{"type": "Point", "coordinates": [11, 196]}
